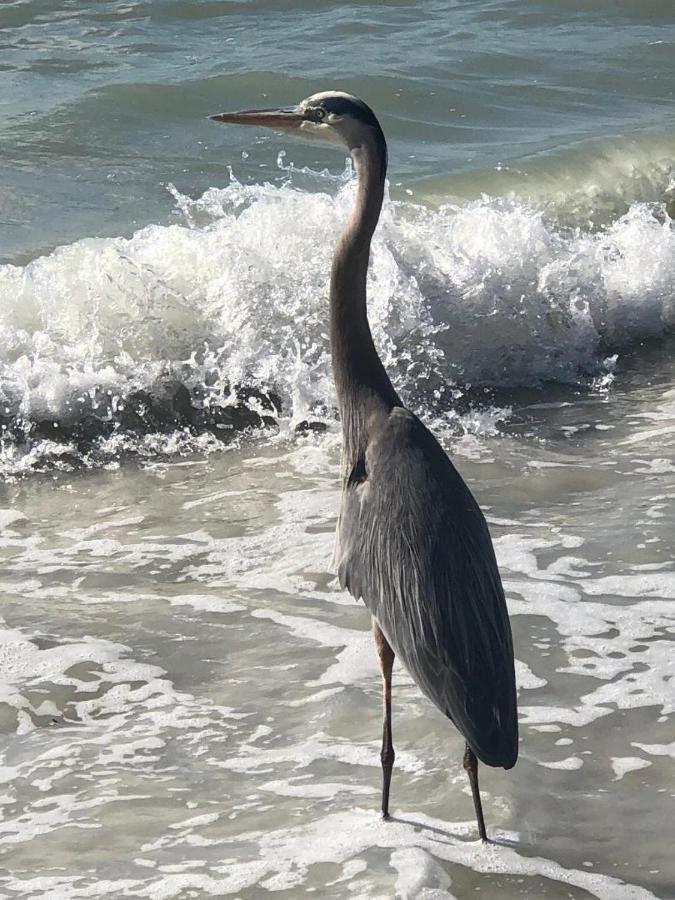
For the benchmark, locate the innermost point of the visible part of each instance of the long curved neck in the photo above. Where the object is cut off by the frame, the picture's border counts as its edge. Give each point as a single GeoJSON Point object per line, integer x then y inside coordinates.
{"type": "Point", "coordinates": [362, 384]}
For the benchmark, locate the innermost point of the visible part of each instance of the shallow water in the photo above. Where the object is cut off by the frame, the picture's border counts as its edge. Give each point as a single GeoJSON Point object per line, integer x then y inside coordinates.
{"type": "Point", "coordinates": [189, 705]}
{"type": "Point", "coordinates": [193, 705]}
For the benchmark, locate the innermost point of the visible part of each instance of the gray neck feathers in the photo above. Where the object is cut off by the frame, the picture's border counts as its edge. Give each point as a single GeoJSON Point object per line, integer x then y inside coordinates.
{"type": "Point", "coordinates": [363, 386]}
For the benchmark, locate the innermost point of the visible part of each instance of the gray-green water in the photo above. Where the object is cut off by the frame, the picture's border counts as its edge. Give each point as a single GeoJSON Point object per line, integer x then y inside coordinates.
{"type": "Point", "coordinates": [104, 102]}
{"type": "Point", "coordinates": [189, 705]}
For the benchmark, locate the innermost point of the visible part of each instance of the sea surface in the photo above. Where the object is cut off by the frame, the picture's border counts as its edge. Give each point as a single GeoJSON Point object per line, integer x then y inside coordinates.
{"type": "Point", "coordinates": [189, 705]}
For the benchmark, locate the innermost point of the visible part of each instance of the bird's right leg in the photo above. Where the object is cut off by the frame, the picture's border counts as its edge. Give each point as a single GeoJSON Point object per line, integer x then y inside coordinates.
{"type": "Point", "coordinates": [471, 768]}
{"type": "Point", "coordinates": [386, 656]}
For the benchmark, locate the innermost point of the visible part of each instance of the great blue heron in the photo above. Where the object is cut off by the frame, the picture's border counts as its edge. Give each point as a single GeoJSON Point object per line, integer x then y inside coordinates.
{"type": "Point", "coordinates": [412, 541]}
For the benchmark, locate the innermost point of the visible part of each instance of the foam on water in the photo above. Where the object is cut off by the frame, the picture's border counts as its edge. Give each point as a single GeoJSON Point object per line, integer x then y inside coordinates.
{"type": "Point", "coordinates": [489, 293]}
{"type": "Point", "coordinates": [203, 666]}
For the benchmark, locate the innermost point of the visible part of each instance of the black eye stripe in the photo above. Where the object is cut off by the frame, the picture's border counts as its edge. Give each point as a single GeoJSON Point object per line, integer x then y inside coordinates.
{"type": "Point", "coordinates": [351, 107]}
{"type": "Point", "coordinates": [342, 107]}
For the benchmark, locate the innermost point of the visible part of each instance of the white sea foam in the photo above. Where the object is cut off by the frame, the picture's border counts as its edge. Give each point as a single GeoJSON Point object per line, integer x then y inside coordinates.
{"type": "Point", "coordinates": [569, 763]}
{"type": "Point", "coordinates": [622, 765]}
{"type": "Point", "coordinates": [657, 749]}
{"type": "Point", "coordinates": [286, 856]}
{"type": "Point", "coordinates": [262, 796]}
{"type": "Point", "coordinates": [487, 293]}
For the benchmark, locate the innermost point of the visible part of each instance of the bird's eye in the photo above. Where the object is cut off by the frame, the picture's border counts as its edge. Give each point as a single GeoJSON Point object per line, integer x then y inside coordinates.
{"type": "Point", "coordinates": [320, 114]}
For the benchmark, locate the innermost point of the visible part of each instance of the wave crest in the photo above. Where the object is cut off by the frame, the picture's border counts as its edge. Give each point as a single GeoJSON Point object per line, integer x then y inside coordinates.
{"type": "Point", "coordinates": [182, 325]}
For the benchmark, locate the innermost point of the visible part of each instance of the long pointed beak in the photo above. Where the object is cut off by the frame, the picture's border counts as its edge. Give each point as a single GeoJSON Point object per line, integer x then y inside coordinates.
{"type": "Point", "coordinates": [284, 119]}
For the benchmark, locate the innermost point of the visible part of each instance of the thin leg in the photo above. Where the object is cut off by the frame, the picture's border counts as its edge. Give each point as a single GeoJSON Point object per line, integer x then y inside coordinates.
{"type": "Point", "coordinates": [386, 655]}
{"type": "Point", "coordinates": [471, 767]}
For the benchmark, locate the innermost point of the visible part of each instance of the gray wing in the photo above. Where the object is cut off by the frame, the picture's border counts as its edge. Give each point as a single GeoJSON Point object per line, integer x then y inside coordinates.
{"type": "Point", "coordinates": [414, 545]}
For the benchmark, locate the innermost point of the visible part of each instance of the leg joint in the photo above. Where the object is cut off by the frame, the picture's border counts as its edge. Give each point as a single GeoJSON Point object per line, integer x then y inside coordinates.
{"type": "Point", "coordinates": [384, 652]}
{"type": "Point", "coordinates": [387, 756]}
{"type": "Point", "coordinates": [470, 762]}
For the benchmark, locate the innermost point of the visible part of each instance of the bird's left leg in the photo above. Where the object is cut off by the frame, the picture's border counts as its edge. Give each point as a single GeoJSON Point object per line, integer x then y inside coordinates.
{"type": "Point", "coordinates": [471, 767]}
{"type": "Point", "coordinates": [387, 756]}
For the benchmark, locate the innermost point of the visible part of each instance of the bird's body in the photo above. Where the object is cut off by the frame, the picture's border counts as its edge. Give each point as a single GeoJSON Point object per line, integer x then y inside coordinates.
{"type": "Point", "coordinates": [412, 541]}
{"type": "Point", "coordinates": [413, 544]}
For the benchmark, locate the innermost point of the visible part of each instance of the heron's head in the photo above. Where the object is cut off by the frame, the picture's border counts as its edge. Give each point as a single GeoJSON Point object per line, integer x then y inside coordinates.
{"type": "Point", "coordinates": [329, 116]}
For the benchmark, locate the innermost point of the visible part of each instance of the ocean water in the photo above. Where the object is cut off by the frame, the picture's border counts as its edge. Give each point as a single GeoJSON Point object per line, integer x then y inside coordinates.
{"type": "Point", "coordinates": [189, 705]}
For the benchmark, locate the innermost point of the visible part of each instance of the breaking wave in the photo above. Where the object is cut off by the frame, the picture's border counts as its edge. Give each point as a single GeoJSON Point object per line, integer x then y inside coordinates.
{"type": "Point", "coordinates": [218, 323]}
{"type": "Point", "coordinates": [590, 184]}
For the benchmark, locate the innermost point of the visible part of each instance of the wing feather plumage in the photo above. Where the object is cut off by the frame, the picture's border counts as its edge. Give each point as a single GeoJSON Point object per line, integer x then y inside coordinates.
{"type": "Point", "coordinates": [414, 545]}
